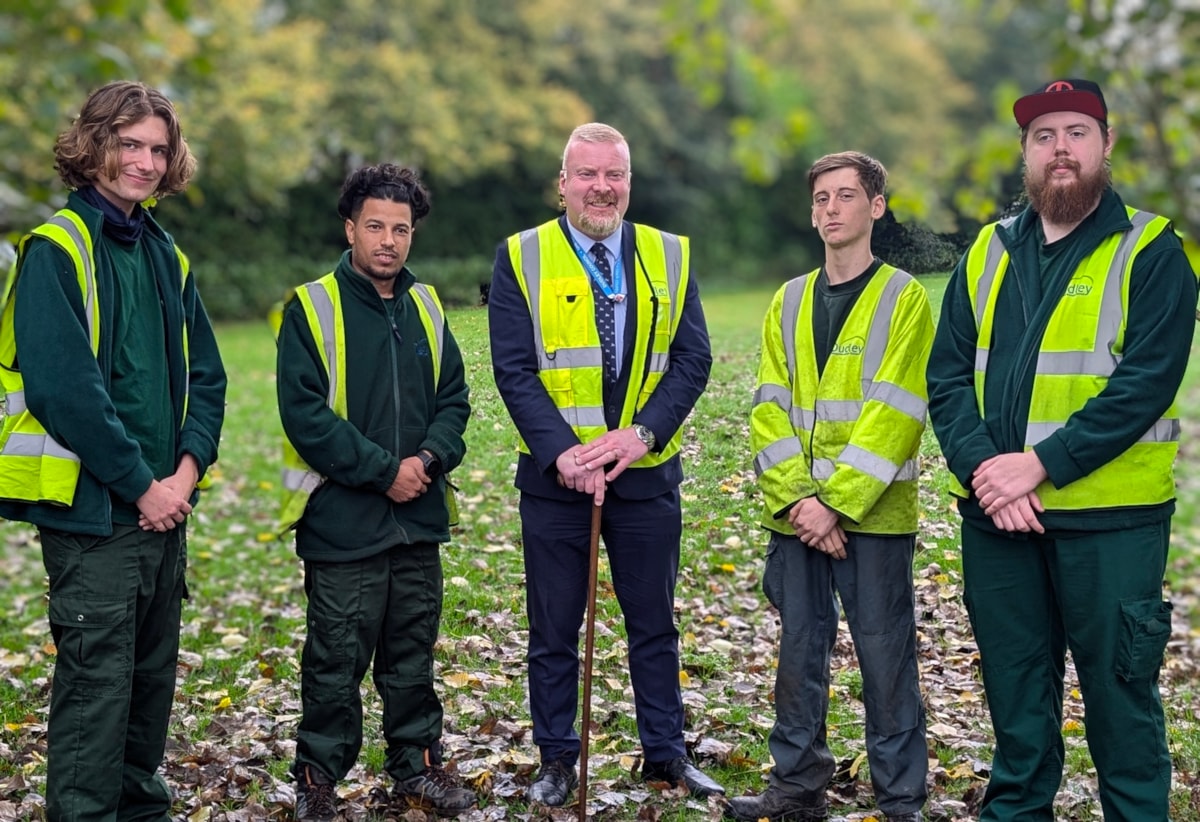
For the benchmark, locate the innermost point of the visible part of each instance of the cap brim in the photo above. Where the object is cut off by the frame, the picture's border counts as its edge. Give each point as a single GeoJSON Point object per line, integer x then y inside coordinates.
{"type": "Point", "coordinates": [1033, 106]}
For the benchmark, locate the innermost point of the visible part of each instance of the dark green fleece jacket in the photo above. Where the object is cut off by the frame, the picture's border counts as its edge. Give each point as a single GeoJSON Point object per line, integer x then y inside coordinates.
{"type": "Point", "coordinates": [67, 388]}
{"type": "Point", "coordinates": [394, 411]}
{"type": "Point", "coordinates": [1158, 337]}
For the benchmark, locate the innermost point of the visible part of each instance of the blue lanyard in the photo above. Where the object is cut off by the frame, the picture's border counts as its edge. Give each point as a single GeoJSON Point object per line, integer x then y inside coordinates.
{"type": "Point", "coordinates": [613, 292]}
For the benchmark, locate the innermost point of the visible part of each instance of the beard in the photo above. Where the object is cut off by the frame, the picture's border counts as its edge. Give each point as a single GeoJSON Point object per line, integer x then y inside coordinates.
{"type": "Point", "coordinates": [600, 226]}
{"type": "Point", "coordinates": [1065, 203]}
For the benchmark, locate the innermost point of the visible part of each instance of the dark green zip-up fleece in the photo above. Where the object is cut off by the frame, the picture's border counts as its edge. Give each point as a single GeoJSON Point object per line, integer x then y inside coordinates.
{"type": "Point", "coordinates": [67, 388]}
{"type": "Point", "coordinates": [394, 411]}
{"type": "Point", "coordinates": [1158, 338]}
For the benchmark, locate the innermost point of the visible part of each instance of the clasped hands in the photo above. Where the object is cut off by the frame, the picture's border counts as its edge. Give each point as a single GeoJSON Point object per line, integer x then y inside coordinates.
{"type": "Point", "coordinates": [166, 503]}
{"type": "Point", "coordinates": [817, 526]}
{"type": "Point", "coordinates": [1004, 486]}
{"type": "Point", "coordinates": [582, 467]}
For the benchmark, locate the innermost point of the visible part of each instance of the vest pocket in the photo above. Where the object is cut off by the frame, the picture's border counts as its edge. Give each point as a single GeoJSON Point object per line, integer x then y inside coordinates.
{"type": "Point", "coordinates": [1145, 629]}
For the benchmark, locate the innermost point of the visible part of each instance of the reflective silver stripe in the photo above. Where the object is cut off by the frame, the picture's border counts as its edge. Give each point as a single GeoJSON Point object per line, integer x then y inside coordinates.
{"type": "Point", "coordinates": [789, 317]}
{"type": "Point", "coordinates": [586, 357]}
{"type": "Point", "coordinates": [775, 453]}
{"type": "Point", "coordinates": [673, 254]}
{"type": "Point", "coordinates": [981, 359]}
{"type": "Point", "coordinates": [772, 393]}
{"type": "Point", "coordinates": [295, 479]}
{"type": "Point", "coordinates": [36, 445]}
{"type": "Point", "coordinates": [89, 274]}
{"type": "Point", "coordinates": [991, 264]}
{"type": "Point", "coordinates": [323, 306]}
{"type": "Point", "coordinates": [881, 323]}
{"type": "Point", "coordinates": [903, 400]}
{"type": "Point", "coordinates": [877, 467]}
{"type": "Point", "coordinates": [803, 419]}
{"type": "Point", "coordinates": [838, 410]}
{"type": "Point", "coordinates": [1101, 361]}
{"type": "Point", "coordinates": [591, 416]}
{"type": "Point", "coordinates": [14, 403]}
{"type": "Point", "coordinates": [1070, 363]}
{"type": "Point", "coordinates": [439, 321]}
{"type": "Point", "coordinates": [531, 268]}
{"type": "Point", "coordinates": [1164, 430]}
{"type": "Point", "coordinates": [659, 361]}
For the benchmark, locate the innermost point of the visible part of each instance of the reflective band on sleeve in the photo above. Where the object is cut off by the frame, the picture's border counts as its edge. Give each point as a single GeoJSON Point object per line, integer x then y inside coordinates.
{"type": "Point", "coordinates": [775, 453]}
{"type": "Point", "coordinates": [901, 399]}
{"type": "Point", "coordinates": [773, 393]}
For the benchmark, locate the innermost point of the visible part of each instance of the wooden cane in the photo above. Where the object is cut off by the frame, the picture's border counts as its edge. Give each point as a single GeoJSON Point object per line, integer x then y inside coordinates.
{"type": "Point", "coordinates": [589, 646]}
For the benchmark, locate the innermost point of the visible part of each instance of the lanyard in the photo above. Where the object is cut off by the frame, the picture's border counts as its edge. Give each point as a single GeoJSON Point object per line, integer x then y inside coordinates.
{"type": "Point", "coordinates": [613, 292]}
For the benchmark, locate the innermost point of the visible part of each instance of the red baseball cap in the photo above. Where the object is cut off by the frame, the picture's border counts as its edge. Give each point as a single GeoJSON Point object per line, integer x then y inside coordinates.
{"type": "Point", "coordinates": [1073, 94]}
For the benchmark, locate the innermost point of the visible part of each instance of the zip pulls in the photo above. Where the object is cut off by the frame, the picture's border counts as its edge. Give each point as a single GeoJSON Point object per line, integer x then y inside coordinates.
{"type": "Point", "coordinates": [390, 312]}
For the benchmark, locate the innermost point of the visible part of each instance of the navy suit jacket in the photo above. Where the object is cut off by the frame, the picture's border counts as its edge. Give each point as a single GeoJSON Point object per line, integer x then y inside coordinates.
{"type": "Point", "coordinates": [514, 363]}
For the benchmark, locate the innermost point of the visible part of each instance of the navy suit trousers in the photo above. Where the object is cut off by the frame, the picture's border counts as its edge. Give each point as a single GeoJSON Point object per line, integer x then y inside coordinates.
{"type": "Point", "coordinates": [641, 540]}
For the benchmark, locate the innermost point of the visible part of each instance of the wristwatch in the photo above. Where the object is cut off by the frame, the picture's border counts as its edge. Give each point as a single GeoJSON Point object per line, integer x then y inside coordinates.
{"type": "Point", "coordinates": [433, 465]}
{"type": "Point", "coordinates": [645, 435]}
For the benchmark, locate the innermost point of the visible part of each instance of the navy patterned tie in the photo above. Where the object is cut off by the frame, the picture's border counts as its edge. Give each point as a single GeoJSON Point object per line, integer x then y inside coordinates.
{"type": "Point", "coordinates": [605, 324]}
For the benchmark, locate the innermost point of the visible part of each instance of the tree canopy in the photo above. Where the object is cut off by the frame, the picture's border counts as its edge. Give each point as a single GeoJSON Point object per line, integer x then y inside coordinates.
{"type": "Point", "coordinates": [725, 104]}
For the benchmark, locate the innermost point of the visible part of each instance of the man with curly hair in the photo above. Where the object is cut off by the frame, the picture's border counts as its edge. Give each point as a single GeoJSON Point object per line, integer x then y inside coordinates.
{"type": "Point", "coordinates": [373, 398]}
{"type": "Point", "coordinates": [114, 400]}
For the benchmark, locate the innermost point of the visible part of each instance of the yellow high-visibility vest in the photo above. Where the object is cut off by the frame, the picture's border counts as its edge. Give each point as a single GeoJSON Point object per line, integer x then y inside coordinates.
{"type": "Point", "coordinates": [851, 433]}
{"type": "Point", "coordinates": [1082, 346]}
{"type": "Point", "coordinates": [33, 466]}
{"type": "Point", "coordinates": [322, 304]}
{"type": "Point", "coordinates": [561, 304]}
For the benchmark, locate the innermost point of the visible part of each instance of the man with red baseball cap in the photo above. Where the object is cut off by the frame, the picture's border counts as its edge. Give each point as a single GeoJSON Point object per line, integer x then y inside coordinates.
{"type": "Point", "coordinates": [1064, 336]}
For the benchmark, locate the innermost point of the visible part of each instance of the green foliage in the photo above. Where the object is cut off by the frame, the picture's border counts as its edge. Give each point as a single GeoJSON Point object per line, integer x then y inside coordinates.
{"type": "Point", "coordinates": [914, 248]}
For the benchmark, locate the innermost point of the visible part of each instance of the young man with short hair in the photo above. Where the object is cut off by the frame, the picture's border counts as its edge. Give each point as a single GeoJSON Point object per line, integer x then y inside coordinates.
{"type": "Point", "coordinates": [835, 429]}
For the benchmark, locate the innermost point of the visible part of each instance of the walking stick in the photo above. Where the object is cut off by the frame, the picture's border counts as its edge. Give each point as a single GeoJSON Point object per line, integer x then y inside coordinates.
{"type": "Point", "coordinates": [588, 647]}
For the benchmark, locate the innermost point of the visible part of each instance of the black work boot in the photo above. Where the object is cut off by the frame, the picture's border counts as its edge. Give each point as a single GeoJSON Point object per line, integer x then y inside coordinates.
{"type": "Point", "coordinates": [776, 806]}
{"type": "Point", "coordinates": [316, 797]}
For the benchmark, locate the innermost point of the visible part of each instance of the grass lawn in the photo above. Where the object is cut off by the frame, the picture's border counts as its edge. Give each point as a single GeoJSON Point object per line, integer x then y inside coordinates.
{"type": "Point", "coordinates": [238, 703]}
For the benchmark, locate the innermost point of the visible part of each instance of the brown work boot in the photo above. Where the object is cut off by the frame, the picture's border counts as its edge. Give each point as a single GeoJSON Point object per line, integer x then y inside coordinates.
{"type": "Point", "coordinates": [433, 789]}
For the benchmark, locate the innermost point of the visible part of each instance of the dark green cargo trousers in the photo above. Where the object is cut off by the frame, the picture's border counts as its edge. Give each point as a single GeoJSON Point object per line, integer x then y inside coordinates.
{"type": "Point", "coordinates": [387, 606]}
{"type": "Point", "coordinates": [114, 614]}
{"type": "Point", "coordinates": [1032, 597]}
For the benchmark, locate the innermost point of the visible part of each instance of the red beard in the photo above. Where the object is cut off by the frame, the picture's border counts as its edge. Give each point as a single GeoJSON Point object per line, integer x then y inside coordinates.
{"type": "Point", "coordinates": [1065, 203]}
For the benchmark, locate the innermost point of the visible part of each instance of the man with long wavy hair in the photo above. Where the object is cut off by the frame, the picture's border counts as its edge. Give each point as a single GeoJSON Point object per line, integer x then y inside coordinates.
{"type": "Point", "coordinates": [114, 400]}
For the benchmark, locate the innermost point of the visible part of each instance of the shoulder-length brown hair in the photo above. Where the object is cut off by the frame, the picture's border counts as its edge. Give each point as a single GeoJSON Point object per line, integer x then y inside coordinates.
{"type": "Point", "coordinates": [91, 146]}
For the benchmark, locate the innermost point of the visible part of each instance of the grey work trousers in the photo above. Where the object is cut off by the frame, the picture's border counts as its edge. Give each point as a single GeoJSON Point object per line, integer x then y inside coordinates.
{"type": "Point", "coordinates": [875, 586]}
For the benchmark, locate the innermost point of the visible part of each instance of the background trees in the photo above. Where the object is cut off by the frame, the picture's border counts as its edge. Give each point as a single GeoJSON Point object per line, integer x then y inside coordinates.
{"type": "Point", "coordinates": [725, 103]}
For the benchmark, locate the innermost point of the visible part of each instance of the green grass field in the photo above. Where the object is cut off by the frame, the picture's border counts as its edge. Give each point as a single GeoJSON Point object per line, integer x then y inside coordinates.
{"type": "Point", "coordinates": [238, 702]}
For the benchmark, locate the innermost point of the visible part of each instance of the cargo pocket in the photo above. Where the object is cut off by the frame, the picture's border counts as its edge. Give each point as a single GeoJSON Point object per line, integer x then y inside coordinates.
{"type": "Point", "coordinates": [94, 644]}
{"type": "Point", "coordinates": [1145, 629]}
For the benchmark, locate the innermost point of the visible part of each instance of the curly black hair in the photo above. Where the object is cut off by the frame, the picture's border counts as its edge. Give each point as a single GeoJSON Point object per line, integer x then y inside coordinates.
{"type": "Point", "coordinates": [385, 181]}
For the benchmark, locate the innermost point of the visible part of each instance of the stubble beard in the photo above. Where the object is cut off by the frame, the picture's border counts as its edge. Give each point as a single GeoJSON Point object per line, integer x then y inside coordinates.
{"type": "Point", "coordinates": [1065, 203]}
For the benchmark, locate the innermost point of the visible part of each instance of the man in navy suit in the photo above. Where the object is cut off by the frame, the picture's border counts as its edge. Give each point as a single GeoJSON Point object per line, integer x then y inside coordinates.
{"type": "Point", "coordinates": [600, 351]}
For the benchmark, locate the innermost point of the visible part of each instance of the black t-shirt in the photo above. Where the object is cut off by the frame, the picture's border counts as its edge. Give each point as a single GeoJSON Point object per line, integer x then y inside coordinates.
{"type": "Point", "coordinates": [832, 304]}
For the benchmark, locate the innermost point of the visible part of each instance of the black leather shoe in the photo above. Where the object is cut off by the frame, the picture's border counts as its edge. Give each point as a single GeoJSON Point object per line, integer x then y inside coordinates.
{"type": "Point", "coordinates": [680, 771]}
{"type": "Point", "coordinates": [776, 806]}
{"type": "Point", "coordinates": [554, 783]}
